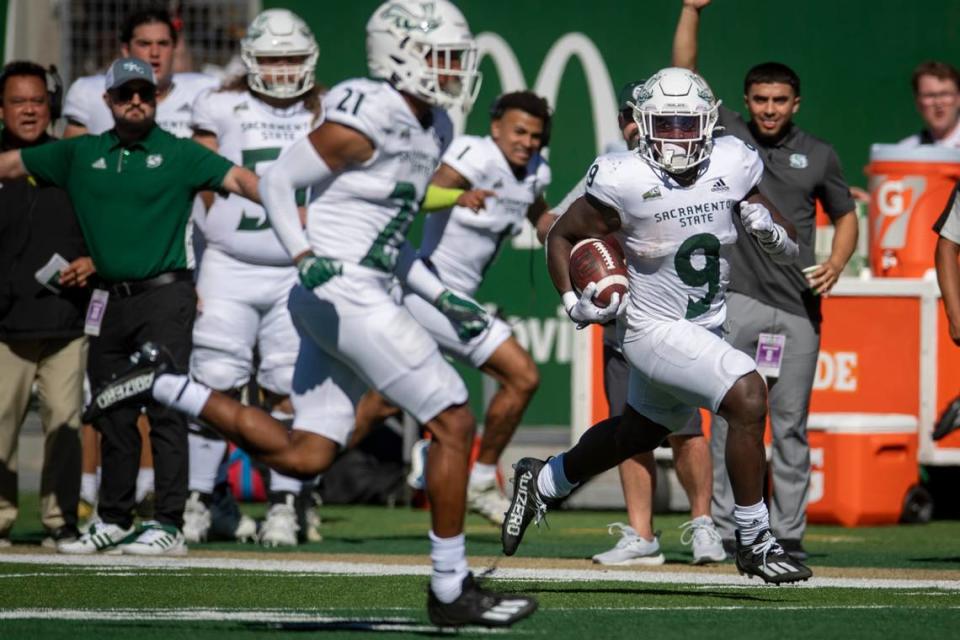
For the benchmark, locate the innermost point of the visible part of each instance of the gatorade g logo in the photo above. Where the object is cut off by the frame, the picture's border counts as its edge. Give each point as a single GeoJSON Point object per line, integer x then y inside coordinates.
{"type": "Point", "coordinates": [896, 200]}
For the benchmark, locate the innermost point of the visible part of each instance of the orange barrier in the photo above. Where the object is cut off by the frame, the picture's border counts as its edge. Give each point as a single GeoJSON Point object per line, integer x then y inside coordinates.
{"type": "Point", "coordinates": [862, 467]}
{"type": "Point", "coordinates": [909, 188]}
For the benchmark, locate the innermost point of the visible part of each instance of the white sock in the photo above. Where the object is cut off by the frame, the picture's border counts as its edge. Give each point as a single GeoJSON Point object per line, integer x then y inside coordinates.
{"type": "Point", "coordinates": [205, 457]}
{"type": "Point", "coordinates": [552, 481]}
{"type": "Point", "coordinates": [285, 484]}
{"type": "Point", "coordinates": [181, 393]}
{"type": "Point", "coordinates": [449, 556]}
{"type": "Point", "coordinates": [88, 488]}
{"type": "Point", "coordinates": [751, 521]}
{"type": "Point", "coordinates": [483, 475]}
{"type": "Point", "coordinates": [144, 482]}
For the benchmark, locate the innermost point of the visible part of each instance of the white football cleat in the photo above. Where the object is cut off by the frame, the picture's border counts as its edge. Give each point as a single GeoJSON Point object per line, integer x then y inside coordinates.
{"type": "Point", "coordinates": [280, 527]}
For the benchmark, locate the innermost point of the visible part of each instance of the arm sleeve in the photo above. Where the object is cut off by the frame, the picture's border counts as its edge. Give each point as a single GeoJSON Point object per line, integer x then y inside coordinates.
{"type": "Point", "coordinates": [833, 191]}
{"type": "Point", "coordinates": [948, 224]}
{"type": "Point", "coordinates": [206, 169]}
{"type": "Point", "coordinates": [50, 162]}
{"type": "Point", "coordinates": [203, 117]}
{"type": "Point", "coordinates": [465, 156]}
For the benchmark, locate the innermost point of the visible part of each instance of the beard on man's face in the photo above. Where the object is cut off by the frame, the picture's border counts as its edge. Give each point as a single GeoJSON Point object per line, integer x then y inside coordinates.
{"type": "Point", "coordinates": [134, 119]}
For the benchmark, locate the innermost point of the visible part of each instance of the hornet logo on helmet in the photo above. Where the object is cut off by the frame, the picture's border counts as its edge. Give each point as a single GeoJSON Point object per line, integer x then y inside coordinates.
{"type": "Point", "coordinates": [404, 19]}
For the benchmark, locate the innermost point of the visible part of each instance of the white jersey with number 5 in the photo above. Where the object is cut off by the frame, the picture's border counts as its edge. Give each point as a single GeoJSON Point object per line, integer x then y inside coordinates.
{"type": "Point", "coordinates": [677, 238]}
{"type": "Point", "coordinates": [462, 243]}
{"type": "Point", "coordinates": [362, 216]}
{"type": "Point", "coordinates": [252, 134]}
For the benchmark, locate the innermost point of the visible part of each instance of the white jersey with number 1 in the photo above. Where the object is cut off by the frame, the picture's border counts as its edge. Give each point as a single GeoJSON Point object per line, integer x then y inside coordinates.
{"type": "Point", "coordinates": [676, 238]}
{"type": "Point", "coordinates": [252, 134]}
{"type": "Point", "coordinates": [461, 243]}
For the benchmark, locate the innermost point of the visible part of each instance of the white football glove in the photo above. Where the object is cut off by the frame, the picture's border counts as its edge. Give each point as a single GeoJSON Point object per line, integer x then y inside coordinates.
{"type": "Point", "coordinates": [757, 220]}
{"type": "Point", "coordinates": [583, 311]}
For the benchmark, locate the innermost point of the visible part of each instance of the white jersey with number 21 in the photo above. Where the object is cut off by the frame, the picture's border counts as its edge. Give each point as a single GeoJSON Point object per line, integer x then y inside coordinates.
{"type": "Point", "coordinates": [362, 216]}
{"type": "Point", "coordinates": [676, 238]}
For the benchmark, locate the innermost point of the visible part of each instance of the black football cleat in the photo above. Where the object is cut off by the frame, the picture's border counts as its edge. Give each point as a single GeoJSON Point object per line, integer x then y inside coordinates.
{"type": "Point", "coordinates": [134, 384]}
{"type": "Point", "coordinates": [526, 505]}
{"type": "Point", "coordinates": [479, 606]}
{"type": "Point", "coordinates": [766, 559]}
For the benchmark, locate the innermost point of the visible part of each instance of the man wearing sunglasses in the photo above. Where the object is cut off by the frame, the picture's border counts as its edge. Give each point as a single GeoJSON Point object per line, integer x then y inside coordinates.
{"type": "Point", "coordinates": [132, 189]}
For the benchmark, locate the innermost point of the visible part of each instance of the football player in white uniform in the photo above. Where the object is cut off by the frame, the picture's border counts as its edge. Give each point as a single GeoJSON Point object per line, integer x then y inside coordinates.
{"type": "Point", "coordinates": [368, 166]}
{"type": "Point", "coordinates": [460, 244]}
{"type": "Point", "coordinates": [150, 35]}
{"type": "Point", "coordinates": [672, 204]}
{"type": "Point", "coordinates": [245, 273]}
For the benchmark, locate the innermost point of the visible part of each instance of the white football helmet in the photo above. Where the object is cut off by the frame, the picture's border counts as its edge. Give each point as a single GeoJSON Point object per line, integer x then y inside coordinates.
{"type": "Point", "coordinates": [278, 33]}
{"type": "Point", "coordinates": [424, 48]}
{"type": "Point", "coordinates": [676, 112]}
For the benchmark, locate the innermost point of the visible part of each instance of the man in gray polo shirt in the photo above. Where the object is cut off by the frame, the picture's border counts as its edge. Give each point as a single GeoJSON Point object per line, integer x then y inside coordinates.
{"type": "Point", "coordinates": [773, 310]}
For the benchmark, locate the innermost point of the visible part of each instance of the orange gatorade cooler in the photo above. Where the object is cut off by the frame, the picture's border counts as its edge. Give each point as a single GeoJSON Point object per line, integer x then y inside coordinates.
{"type": "Point", "coordinates": [909, 187]}
{"type": "Point", "coordinates": [863, 465]}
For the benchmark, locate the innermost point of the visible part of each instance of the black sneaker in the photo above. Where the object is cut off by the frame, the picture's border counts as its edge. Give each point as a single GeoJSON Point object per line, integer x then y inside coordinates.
{"type": "Point", "coordinates": [133, 385]}
{"type": "Point", "coordinates": [795, 548]}
{"type": "Point", "coordinates": [526, 505]}
{"type": "Point", "coordinates": [767, 559]}
{"type": "Point", "coordinates": [479, 606]}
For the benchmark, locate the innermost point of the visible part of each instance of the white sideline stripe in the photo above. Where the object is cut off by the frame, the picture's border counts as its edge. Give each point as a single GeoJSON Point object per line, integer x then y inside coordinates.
{"type": "Point", "coordinates": [534, 575]}
{"type": "Point", "coordinates": [378, 623]}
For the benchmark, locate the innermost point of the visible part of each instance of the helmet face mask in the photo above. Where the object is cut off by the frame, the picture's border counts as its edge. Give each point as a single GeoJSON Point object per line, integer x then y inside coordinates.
{"type": "Point", "coordinates": [676, 113]}
{"type": "Point", "coordinates": [280, 54]}
{"type": "Point", "coordinates": [425, 49]}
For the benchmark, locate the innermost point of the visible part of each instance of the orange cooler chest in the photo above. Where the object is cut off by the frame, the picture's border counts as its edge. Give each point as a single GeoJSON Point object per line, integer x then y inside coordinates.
{"type": "Point", "coordinates": [862, 467]}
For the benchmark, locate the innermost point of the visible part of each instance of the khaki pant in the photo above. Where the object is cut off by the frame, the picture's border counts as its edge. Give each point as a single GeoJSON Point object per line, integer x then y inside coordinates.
{"type": "Point", "coordinates": [57, 366]}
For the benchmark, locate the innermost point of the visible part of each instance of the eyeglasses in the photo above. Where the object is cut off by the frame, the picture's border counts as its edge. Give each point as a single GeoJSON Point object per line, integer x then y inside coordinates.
{"type": "Point", "coordinates": [124, 93]}
{"type": "Point", "coordinates": [939, 95]}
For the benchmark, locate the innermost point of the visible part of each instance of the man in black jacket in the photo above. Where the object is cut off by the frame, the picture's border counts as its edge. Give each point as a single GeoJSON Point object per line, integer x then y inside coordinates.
{"type": "Point", "coordinates": [41, 323]}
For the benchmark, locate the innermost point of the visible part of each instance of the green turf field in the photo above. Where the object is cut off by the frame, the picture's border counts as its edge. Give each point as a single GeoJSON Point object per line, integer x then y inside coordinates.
{"type": "Point", "coordinates": [368, 577]}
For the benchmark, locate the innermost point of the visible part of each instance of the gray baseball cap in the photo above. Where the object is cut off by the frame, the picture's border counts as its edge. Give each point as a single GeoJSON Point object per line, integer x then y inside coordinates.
{"type": "Point", "coordinates": [125, 70]}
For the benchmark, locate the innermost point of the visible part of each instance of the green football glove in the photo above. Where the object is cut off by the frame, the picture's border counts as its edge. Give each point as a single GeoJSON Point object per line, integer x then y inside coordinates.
{"type": "Point", "coordinates": [315, 271]}
{"type": "Point", "coordinates": [469, 318]}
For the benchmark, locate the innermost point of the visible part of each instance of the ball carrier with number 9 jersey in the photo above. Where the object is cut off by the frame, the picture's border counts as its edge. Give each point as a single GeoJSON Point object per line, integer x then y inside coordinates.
{"type": "Point", "coordinates": [368, 165]}
{"type": "Point", "coordinates": [671, 204]}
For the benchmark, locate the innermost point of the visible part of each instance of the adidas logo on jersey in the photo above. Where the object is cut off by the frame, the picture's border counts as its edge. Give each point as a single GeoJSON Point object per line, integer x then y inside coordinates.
{"type": "Point", "coordinates": [498, 184]}
{"type": "Point", "coordinates": [184, 108]}
{"type": "Point", "coordinates": [99, 163]}
{"type": "Point", "coordinates": [719, 186]}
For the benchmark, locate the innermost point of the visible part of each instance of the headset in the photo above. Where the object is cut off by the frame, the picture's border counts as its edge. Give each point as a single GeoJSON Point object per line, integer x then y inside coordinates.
{"type": "Point", "coordinates": [497, 109]}
{"type": "Point", "coordinates": [53, 82]}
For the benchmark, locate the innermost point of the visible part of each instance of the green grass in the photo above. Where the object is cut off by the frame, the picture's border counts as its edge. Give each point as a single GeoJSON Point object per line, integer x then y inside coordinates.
{"type": "Point", "coordinates": [344, 606]}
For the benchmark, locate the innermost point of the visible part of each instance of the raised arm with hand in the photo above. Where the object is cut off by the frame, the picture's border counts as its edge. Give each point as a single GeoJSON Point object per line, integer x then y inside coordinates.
{"type": "Point", "coordinates": [685, 37]}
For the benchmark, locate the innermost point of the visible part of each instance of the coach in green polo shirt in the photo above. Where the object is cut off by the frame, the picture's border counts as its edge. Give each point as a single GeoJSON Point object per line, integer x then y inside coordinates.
{"type": "Point", "coordinates": [132, 188]}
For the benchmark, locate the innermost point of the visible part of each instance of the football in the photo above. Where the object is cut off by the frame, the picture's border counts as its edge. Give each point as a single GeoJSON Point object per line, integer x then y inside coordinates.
{"type": "Point", "coordinates": [600, 261]}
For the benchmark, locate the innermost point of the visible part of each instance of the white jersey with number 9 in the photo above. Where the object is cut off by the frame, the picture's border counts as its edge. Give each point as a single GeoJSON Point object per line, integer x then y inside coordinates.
{"type": "Point", "coordinates": [676, 238]}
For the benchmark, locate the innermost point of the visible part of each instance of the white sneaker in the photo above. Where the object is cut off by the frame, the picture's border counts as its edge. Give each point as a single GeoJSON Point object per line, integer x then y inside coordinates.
{"type": "Point", "coordinates": [631, 549]}
{"type": "Point", "coordinates": [703, 535]}
{"type": "Point", "coordinates": [280, 527]}
{"type": "Point", "coordinates": [98, 538]}
{"type": "Point", "coordinates": [417, 478]}
{"type": "Point", "coordinates": [196, 519]}
{"type": "Point", "coordinates": [246, 530]}
{"type": "Point", "coordinates": [488, 500]}
{"type": "Point", "coordinates": [156, 540]}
